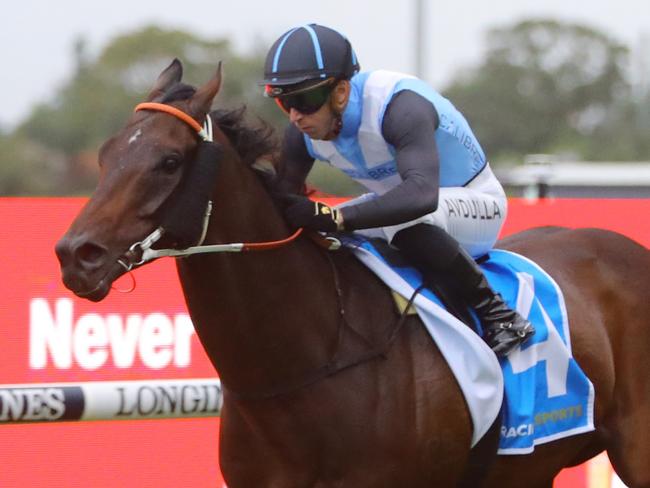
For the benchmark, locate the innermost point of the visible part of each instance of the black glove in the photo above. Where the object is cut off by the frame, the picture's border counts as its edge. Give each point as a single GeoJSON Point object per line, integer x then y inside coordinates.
{"type": "Point", "coordinates": [302, 212]}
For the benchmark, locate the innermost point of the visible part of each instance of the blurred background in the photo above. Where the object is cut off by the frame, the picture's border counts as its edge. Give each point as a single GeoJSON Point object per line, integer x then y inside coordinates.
{"type": "Point", "coordinates": [544, 83]}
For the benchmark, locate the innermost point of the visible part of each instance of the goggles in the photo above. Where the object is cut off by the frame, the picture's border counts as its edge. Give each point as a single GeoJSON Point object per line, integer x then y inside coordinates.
{"type": "Point", "coordinates": [306, 101]}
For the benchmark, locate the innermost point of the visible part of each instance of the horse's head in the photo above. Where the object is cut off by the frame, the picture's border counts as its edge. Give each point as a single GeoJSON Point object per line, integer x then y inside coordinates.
{"type": "Point", "coordinates": [141, 167]}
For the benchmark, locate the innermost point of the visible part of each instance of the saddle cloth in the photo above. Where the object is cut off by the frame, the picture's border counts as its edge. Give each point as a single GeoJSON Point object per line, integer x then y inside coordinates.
{"type": "Point", "coordinates": [540, 390]}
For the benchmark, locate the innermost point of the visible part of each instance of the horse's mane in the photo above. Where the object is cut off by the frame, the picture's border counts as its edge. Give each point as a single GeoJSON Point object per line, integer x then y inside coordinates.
{"type": "Point", "coordinates": [252, 142]}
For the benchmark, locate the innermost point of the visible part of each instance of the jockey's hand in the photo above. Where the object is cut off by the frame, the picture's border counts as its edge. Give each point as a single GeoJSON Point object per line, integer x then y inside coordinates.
{"type": "Point", "coordinates": [300, 211]}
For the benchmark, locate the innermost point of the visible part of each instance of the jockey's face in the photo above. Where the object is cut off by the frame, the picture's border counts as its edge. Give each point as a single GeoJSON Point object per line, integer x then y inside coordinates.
{"type": "Point", "coordinates": [322, 123]}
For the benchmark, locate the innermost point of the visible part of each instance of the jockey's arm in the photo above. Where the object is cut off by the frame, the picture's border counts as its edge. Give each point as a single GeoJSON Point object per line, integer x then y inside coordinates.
{"type": "Point", "coordinates": [296, 162]}
{"type": "Point", "coordinates": [409, 126]}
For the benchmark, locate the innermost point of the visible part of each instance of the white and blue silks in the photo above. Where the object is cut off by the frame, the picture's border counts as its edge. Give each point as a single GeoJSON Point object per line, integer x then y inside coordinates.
{"type": "Point", "coordinates": [361, 151]}
{"type": "Point", "coordinates": [547, 396]}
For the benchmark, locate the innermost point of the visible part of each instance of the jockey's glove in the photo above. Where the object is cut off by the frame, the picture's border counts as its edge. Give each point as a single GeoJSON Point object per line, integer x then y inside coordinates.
{"type": "Point", "coordinates": [300, 211]}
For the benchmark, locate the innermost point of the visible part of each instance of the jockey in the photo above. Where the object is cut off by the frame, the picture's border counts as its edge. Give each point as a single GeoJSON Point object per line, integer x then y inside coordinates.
{"type": "Point", "coordinates": [433, 194]}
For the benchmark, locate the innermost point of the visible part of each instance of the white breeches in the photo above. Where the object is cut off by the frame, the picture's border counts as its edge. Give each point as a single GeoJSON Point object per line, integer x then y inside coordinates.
{"type": "Point", "coordinates": [473, 214]}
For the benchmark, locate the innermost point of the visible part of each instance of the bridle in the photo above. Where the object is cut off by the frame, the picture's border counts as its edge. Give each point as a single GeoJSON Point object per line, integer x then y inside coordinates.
{"type": "Point", "coordinates": [141, 252]}
{"type": "Point", "coordinates": [204, 131]}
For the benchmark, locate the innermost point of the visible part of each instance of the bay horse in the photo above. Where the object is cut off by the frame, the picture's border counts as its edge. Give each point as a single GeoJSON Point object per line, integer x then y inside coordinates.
{"type": "Point", "coordinates": [325, 384]}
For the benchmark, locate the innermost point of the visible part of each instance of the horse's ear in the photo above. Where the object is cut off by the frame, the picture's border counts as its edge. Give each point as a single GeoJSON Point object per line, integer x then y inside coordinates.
{"type": "Point", "coordinates": [201, 102]}
{"type": "Point", "coordinates": [170, 75]}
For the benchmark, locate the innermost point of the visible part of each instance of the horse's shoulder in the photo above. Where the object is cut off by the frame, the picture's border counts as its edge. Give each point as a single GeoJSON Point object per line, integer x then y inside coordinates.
{"type": "Point", "coordinates": [355, 274]}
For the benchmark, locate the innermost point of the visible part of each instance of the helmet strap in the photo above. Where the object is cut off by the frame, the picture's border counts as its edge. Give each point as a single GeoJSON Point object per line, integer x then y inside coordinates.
{"type": "Point", "coordinates": [338, 125]}
{"type": "Point", "coordinates": [337, 110]}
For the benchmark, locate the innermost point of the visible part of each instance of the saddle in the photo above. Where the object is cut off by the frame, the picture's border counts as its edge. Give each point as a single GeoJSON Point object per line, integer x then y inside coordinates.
{"type": "Point", "coordinates": [453, 304]}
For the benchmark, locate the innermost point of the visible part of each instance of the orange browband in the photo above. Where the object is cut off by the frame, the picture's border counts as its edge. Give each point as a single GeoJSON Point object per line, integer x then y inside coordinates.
{"type": "Point", "coordinates": [161, 107]}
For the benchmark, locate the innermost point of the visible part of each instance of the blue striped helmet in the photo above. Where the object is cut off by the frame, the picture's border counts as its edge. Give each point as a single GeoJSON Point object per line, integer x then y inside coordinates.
{"type": "Point", "coordinates": [309, 53]}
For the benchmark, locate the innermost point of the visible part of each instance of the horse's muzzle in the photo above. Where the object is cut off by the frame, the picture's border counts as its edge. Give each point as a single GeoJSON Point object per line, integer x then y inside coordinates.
{"type": "Point", "coordinates": [84, 267]}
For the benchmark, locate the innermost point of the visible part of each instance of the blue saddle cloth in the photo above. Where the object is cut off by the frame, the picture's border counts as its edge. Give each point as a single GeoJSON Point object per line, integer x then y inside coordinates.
{"type": "Point", "coordinates": [547, 396]}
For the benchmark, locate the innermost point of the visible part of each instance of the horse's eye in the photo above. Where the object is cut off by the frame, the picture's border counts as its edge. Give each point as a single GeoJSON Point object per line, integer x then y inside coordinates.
{"type": "Point", "coordinates": [170, 164]}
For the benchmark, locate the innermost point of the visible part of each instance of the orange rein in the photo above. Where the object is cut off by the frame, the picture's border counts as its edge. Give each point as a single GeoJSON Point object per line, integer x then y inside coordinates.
{"type": "Point", "coordinates": [262, 246]}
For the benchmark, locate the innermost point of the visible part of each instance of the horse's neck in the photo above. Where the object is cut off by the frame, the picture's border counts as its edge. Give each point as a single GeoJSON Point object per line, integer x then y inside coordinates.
{"type": "Point", "coordinates": [265, 318]}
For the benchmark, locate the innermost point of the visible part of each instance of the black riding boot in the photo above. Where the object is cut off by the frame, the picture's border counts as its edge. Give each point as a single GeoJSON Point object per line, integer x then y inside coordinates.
{"type": "Point", "coordinates": [503, 328]}
{"type": "Point", "coordinates": [441, 260]}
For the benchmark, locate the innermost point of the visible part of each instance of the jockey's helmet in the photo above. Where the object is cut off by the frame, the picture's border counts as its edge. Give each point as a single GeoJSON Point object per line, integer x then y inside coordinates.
{"type": "Point", "coordinates": [306, 57]}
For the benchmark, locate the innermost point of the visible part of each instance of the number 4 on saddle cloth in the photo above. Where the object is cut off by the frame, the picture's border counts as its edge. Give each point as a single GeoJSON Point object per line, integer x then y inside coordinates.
{"type": "Point", "coordinates": [544, 393]}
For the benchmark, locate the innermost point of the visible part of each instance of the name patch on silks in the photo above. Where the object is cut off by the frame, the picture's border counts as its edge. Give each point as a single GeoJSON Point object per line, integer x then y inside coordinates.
{"type": "Point", "coordinates": [546, 396]}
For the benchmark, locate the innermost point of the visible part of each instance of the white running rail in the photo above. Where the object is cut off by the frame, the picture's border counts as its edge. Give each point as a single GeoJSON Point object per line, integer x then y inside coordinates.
{"type": "Point", "coordinates": [110, 400]}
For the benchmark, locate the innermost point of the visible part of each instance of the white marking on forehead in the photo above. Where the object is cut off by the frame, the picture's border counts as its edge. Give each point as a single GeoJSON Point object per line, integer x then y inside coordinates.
{"type": "Point", "coordinates": [135, 136]}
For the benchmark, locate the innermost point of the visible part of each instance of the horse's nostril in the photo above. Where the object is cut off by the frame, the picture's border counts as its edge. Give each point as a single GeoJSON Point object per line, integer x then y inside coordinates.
{"type": "Point", "coordinates": [90, 255]}
{"type": "Point", "coordinates": [62, 250]}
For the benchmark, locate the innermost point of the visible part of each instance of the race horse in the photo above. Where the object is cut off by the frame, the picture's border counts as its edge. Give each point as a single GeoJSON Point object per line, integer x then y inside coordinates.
{"type": "Point", "coordinates": [325, 383]}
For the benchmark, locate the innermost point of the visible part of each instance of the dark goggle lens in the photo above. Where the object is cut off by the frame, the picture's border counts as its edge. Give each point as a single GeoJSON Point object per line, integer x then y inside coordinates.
{"type": "Point", "coordinates": [306, 102]}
